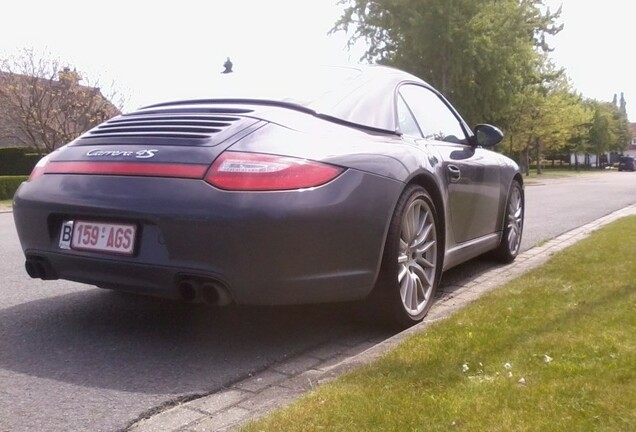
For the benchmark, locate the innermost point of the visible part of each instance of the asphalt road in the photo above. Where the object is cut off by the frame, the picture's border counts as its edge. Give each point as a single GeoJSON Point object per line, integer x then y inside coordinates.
{"type": "Point", "coordinates": [74, 357]}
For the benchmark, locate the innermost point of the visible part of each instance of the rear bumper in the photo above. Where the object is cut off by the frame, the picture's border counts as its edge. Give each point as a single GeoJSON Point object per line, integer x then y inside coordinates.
{"type": "Point", "coordinates": [318, 245]}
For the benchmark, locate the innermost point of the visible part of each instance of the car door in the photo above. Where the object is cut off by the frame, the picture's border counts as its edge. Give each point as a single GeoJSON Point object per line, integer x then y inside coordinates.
{"type": "Point", "coordinates": [470, 176]}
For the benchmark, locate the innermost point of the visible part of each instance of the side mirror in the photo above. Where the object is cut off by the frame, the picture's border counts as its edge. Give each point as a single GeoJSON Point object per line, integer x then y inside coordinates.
{"type": "Point", "coordinates": [487, 135]}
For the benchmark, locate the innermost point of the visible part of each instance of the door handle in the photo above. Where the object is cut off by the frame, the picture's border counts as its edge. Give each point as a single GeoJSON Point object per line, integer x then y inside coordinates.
{"type": "Point", "coordinates": [454, 173]}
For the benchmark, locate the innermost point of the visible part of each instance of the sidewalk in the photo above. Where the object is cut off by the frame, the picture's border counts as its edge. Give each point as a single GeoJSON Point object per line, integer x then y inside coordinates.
{"type": "Point", "coordinates": [283, 383]}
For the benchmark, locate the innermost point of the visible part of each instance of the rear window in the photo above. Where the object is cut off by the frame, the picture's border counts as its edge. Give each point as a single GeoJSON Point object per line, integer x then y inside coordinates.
{"type": "Point", "coordinates": [360, 95]}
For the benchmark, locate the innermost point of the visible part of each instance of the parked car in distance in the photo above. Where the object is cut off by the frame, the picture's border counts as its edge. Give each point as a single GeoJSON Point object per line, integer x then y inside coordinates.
{"type": "Point", "coordinates": [341, 184]}
{"type": "Point", "coordinates": [626, 163]}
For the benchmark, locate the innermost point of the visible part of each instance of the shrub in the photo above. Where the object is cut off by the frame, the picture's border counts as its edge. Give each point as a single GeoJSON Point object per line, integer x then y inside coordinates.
{"type": "Point", "coordinates": [9, 184]}
{"type": "Point", "coordinates": [17, 161]}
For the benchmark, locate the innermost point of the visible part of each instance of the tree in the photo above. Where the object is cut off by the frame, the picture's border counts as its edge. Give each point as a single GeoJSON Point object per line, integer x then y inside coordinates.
{"type": "Point", "coordinates": [548, 118]}
{"type": "Point", "coordinates": [623, 105]}
{"type": "Point", "coordinates": [43, 105]}
{"type": "Point", "coordinates": [623, 129]}
{"type": "Point", "coordinates": [603, 129]}
{"type": "Point", "coordinates": [609, 131]}
{"type": "Point", "coordinates": [579, 140]}
{"type": "Point", "coordinates": [549, 121]}
{"type": "Point", "coordinates": [623, 133]}
{"type": "Point", "coordinates": [480, 53]}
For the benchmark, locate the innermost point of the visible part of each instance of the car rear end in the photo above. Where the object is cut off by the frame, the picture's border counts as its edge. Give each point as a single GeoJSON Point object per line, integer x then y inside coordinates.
{"type": "Point", "coordinates": [157, 202]}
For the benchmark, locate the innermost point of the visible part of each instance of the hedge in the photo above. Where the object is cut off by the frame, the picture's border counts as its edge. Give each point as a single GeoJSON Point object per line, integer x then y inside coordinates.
{"type": "Point", "coordinates": [9, 184]}
{"type": "Point", "coordinates": [17, 161]}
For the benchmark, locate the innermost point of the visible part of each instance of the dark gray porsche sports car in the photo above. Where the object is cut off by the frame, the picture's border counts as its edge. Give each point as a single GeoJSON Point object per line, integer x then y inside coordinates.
{"type": "Point", "coordinates": [362, 183]}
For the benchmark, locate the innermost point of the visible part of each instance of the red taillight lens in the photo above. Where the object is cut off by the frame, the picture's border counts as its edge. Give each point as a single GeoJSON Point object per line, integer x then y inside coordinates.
{"type": "Point", "coordinates": [261, 172]}
{"type": "Point", "coordinates": [38, 170]}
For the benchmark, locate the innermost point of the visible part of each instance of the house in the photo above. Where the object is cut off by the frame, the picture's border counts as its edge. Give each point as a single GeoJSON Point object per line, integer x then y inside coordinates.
{"type": "Point", "coordinates": [47, 112]}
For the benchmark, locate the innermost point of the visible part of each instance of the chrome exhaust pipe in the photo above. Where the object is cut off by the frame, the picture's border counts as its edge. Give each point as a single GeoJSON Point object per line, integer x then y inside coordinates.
{"type": "Point", "coordinates": [215, 294]}
{"type": "Point", "coordinates": [188, 289]}
{"type": "Point", "coordinates": [39, 268]}
{"type": "Point", "coordinates": [33, 269]}
{"type": "Point", "coordinates": [204, 290]}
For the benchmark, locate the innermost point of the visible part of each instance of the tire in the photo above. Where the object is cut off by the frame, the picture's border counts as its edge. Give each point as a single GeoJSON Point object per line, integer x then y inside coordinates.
{"type": "Point", "coordinates": [412, 260]}
{"type": "Point", "coordinates": [510, 244]}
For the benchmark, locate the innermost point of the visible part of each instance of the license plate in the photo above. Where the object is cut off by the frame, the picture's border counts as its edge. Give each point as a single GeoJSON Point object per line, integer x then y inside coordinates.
{"type": "Point", "coordinates": [112, 238]}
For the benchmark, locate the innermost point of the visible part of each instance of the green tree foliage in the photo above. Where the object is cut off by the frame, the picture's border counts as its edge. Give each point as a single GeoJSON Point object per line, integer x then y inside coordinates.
{"type": "Point", "coordinates": [609, 130]}
{"type": "Point", "coordinates": [547, 118]}
{"type": "Point", "coordinates": [623, 129]}
{"type": "Point", "coordinates": [481, 54]}
{"type": "Point", "coordinates": [491, 59]}
{"type": "Point", "coordinates": [43, 105]}
{"type": "Point", "coordinates": [603, 129]}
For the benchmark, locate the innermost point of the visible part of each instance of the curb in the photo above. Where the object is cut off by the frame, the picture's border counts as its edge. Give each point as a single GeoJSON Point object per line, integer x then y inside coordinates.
{"type": "Point", "coordinates": [283, 383]}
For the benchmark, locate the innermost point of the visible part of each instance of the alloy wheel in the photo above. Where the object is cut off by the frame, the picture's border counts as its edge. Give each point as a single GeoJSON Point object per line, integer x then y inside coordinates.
{"type": "Point", "coordinates": [417, 257]}
{"type": "Point", "coordinates": [515, 220]}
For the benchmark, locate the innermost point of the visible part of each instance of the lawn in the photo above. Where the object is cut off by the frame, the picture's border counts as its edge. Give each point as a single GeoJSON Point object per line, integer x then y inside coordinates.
{"type": "Point", "coordinates": [5, 204]}
{"type": "Point", "coordinates": [554, 350]}
{"type": "Point", "coordinates": [556, 173]}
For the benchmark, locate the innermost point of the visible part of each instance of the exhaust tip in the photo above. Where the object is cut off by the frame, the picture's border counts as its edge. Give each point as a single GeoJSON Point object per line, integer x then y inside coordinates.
{"type": "Point", "coordinates": [33, 269]}
{"type": "Point", "coordinates": [197, 288]}
{"type": "Point", "coordinates": [215, 294]}
{"type": "Point", "coordinates": [188, 290]}
{"type": "Point", "coordinates": [39, 268]}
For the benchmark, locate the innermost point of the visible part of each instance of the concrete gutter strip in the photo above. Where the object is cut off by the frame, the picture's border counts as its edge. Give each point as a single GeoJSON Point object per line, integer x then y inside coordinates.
{"type": "Point", "coordinates": [283, 383]}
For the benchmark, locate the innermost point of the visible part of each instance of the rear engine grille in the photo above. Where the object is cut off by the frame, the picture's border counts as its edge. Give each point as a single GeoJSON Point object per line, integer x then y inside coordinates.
{"type": "Point", "coordinates": [169, 123]}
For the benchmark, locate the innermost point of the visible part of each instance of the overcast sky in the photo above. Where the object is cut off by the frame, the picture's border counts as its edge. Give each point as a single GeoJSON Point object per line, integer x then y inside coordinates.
{"type": "Point", "coordinates": [597, 48]}
{"type": "Point", "coordinates": [154, 50]}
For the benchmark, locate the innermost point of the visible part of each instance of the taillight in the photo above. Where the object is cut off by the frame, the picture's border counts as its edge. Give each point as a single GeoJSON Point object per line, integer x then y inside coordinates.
{"type": "Point", "coordinates": [262, 172]}
{"type": "Point", "coordinates": [38, 170]}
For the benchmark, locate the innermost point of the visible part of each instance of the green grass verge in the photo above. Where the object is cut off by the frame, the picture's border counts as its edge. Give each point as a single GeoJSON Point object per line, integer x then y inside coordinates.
{"type": "Point", "coordinates": [554, 350]}
{"type": "Point", "coordinates": [6, 205]}
{"type": "Point", "coordinates": [560, 173]}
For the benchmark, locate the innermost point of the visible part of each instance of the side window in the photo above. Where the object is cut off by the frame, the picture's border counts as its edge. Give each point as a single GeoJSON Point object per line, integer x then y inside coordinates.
{"type": "Point", "coordinates": [408, 126]}
{"type": "Point", "coordinates": [435, 119]}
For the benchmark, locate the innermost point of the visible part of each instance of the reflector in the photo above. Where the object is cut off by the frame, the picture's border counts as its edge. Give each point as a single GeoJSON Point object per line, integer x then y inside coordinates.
{"type": "Point", "coordinates": [127, 168]}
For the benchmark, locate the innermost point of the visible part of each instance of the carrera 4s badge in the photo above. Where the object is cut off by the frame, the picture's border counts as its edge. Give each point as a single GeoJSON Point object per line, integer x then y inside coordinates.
{"type": "Point", "coordinates": [139, 154]}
